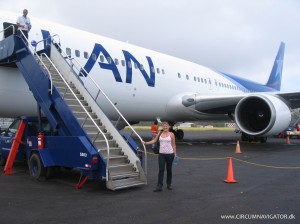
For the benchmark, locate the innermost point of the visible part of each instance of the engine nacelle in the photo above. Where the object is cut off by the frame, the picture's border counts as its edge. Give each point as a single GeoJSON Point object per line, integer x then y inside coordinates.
{"type": "Point", "coordinates": [262, 115]}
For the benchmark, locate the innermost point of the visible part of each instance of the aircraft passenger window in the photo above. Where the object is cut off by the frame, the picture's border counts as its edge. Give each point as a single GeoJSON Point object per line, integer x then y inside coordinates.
{"type": "Point", "coordinates": [198, 79]}
{"type": "Point", "coordinates": [152, 69]}
{"type": "Point", "coordinates": [116, 61]}
{"type": "Point", "coordinates": [123, 63]}
{"type": "Point", "coordinates": [68, 51]}
{"type": "Point", "coordinates": [187, 77]}
{"type": "Point", "coordinates": [109, 60]}
{"type": "Point", "coordinates": [77, 53]}
{"type": "Point", "coordinates": [202, 80]}
{"type": "Point", "coordinates": [157, 69]}
{"type": "Point", "coordinates": [94, 57]}
{"type": "Point", "coordinates": [209, 82]}
{"type": "Point", "coordinates": [195, 79]}
{"type": "Point", "coordinates": [129, 64]}
{"type": "Point", "coordinates": [163, 71]}
{"type": "Point", "coordinates": [86, 55]}
{"type": "Point", "coordinates": [135, 65]}
{"type": "Point", "coordinates": [179, 76]}
{"type": "Point", "coordinates": [141, 67]}
{"type": "Point", "coordinates": [205, 81]}
{"type": "Point", "coordinates": [101, 58]}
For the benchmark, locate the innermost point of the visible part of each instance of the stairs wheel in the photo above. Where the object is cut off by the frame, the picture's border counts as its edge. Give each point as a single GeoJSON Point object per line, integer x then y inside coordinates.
{"type": "Point", "coordinates": [36, 167]}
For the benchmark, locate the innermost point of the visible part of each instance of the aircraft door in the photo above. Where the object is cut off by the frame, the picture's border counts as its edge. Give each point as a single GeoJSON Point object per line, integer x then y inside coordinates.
{"type": "Point", "coordinates": [9, 29]}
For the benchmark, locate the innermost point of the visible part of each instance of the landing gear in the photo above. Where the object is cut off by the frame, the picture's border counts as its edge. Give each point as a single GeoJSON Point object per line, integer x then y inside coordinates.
{"type": "Point", "coordinates": [179, 134]}
{"type": "Point", "coordinates": [250, 138]}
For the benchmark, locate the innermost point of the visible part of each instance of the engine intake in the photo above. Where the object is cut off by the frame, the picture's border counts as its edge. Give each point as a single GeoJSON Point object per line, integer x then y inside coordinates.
{"type": "Point", "coordinates": [262, 115]}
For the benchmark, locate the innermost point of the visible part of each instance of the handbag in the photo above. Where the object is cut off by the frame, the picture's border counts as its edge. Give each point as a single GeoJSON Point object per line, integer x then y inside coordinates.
{"type": "Point", "coordinates": [157, 144]}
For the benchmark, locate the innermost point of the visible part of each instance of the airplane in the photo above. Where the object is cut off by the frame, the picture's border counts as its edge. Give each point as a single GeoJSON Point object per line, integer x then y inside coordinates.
{"type": "Point", "coordinates": [146, 85]}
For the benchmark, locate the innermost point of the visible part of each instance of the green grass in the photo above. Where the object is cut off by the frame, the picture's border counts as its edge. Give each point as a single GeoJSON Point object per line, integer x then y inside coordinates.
{"type": "Point", "coordinates": [187, 129]}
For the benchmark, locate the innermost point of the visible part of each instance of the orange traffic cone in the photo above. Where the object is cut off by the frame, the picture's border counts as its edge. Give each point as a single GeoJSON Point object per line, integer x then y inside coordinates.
{"type": "Point", "coordinates": [230, 177]}
{"type": "Point", "coordinates": [288, 140]}
{"type": "Point", "coordinates": [238, 149]}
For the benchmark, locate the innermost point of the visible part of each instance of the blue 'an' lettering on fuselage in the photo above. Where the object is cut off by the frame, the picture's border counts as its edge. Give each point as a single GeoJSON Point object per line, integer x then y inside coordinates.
{"type": "Point", "coordinates": [129, 58]}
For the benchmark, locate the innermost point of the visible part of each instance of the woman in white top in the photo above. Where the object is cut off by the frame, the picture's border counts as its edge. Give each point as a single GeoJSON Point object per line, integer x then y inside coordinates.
{"type": "Point", "coordinates": [167, 152]}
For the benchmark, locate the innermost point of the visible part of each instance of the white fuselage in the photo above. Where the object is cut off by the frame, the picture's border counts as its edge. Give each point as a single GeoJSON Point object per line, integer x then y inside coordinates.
{"type": "Point", "coordinates": [133, 95]}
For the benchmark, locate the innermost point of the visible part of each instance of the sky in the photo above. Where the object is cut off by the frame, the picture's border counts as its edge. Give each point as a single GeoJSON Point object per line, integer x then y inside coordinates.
{"type": "Point", "coordinates": [240, 37]}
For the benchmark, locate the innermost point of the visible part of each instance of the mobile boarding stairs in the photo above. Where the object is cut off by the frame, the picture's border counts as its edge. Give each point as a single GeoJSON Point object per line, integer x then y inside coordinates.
{"type": "Point", "coordinates": [87, 139]}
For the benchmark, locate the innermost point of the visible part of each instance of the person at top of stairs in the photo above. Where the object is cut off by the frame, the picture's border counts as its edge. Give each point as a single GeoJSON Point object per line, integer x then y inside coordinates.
{"type": "Point", "coordinates": [24, 24]}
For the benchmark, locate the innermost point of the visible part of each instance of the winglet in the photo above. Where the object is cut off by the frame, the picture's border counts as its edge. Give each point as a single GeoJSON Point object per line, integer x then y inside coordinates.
{"type": "Point", "coordinates": [276, 73]}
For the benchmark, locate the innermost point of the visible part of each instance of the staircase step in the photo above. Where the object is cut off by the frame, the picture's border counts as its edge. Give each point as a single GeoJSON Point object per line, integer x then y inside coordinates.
{"type": "Point", "coordinates": [70, 96]}
{"type": "Point", "coordinates": [92, 128]}
{"type": "Point", "coordinates": [89, 122]}
{"type": "Point", "coordinates": [112, 151]}
{"type": "Point", "coordinates": [117, 175]}
{"type": "Point", "coordinates": [118, 160]}
{"type": "Point", "coordinates": [59, 84]}
{"type": "Point", "coordinates": [125, 183]}
{"type": "Point", "coordinates": [75, 101]}
{"type": "Point", "coordinates": [78, 108]}
{"type": "Point", "coordinates": [121, 167]}
{"type": "Point", "coordinates": [99, 136]}
{"type": "Point", "coordinates": [83, 115]}
{"type": "Point", "coordinates": [102, 144]}
{"type": "Point", "coordinates": [65, 91]}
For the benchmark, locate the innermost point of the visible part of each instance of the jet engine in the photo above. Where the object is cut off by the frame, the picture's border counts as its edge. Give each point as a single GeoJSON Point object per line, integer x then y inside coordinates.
{"type": "Point", "coordinates": [262, 115]}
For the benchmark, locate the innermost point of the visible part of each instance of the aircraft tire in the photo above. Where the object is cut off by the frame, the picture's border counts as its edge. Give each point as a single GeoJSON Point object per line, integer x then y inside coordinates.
{"type": "Point", "coordinates": [179, 134]}
{"type": "Point", "coordinates": [263, 139]}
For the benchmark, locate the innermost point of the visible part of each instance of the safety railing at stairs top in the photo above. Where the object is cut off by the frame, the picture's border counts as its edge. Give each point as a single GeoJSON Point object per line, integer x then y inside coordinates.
{"type": "Point", "coordinates": [78, 68]}
{"type": "Point", "coordinates": [13, 28]}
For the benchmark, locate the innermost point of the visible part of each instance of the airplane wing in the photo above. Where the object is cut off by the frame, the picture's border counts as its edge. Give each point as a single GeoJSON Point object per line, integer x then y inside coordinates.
{"type": "Point", "coordinates": [225, 104]}
{"type": "Point", "coordinates": [257, 114]}
{"type": "Point", "coordinates": [212, 104]}
{"type": "Point", "coordinates": [292, 97]}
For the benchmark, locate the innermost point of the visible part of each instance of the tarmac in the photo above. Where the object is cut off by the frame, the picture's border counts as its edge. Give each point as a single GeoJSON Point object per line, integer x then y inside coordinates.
{"type": "Point", "coordinates": [267, 188]}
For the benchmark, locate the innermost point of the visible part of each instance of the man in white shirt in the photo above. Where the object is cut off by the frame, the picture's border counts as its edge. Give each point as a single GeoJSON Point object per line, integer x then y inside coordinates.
{"type": "Point", "coordinates": [24, 24]}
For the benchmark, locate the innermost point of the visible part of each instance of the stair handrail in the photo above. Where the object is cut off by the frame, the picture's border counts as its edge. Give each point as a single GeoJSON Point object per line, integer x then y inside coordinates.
{"type": "Point", "coordinates": [82, 69]}
{"type": "Point", "coordinates": [40, 59]}
{"type": "Point", "coordinates": [88, 114]}
{"type": "Point", "coordinates": [14, 31]}
{"type": "Point", "coordinates": [50, 38]}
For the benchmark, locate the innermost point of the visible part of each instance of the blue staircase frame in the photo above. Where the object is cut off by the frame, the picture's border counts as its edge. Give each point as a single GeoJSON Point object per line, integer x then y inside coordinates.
{"type": "Point", "coordinates": [58, 113]}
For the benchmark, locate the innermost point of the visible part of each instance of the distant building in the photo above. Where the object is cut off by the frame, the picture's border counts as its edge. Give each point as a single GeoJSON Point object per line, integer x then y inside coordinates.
{"type": "Point", "coordinates": [186, 125]}
{"type": "Point", "coordinates": [208, 126]}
